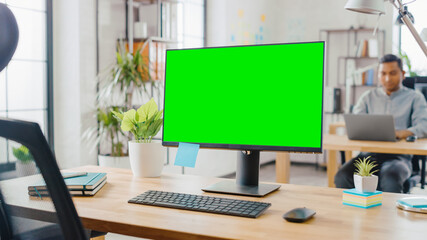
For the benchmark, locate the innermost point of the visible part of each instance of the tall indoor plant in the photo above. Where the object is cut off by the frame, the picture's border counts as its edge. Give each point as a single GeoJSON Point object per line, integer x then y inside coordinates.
{"type": "Point", "coordinates": [119, 85]}
{"type": "Point", "coordinates": [146, 156]}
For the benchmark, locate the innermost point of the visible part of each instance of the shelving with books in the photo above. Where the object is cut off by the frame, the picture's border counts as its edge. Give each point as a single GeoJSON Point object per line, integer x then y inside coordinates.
{"type": "Point", "coordinates": [160, 20]}
{"type": "Point", "coordinates": [354, 61]}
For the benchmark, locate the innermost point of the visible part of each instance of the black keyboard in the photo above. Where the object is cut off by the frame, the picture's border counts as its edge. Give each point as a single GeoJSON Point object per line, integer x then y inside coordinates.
{"type": "Point", "coordinates": [201, 203]}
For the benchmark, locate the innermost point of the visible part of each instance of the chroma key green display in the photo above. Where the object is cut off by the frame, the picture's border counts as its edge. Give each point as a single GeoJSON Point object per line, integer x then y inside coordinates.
{"type": "Point", "coordinates": [264, 97]}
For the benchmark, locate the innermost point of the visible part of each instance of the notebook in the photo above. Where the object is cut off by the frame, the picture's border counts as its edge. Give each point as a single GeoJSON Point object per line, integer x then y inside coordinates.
{"type": "Point", "coordinates": [86, 182]}
{"type": "Point", "coordinates": [414, 202]}
{"type": "Point", "coordinates": [40, 193]}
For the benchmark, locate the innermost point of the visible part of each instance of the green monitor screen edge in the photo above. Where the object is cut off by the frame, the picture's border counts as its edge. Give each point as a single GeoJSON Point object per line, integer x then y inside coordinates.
{"type": "Point", "coordinates": [252, 98]}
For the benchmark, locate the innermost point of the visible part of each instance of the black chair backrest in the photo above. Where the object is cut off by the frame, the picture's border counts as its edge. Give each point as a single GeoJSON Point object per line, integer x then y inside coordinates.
{"type": "Point", "coordinates": [417, 83]}
{"type": "Point", "coordinates": [30, 135]}
{"type": "Point", "coordinates": [409, 82]}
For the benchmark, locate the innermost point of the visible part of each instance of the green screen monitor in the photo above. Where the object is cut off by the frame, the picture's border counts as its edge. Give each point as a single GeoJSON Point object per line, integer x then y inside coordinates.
{"type": "Point", "coordinates": [252, 98]}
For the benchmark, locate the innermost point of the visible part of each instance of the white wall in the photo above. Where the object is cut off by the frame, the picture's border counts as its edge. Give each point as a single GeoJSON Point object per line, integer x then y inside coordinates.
{"type": "Point", "coordinates": [285, 20]}
{"type": "Point", "coordinates": [74, 70]}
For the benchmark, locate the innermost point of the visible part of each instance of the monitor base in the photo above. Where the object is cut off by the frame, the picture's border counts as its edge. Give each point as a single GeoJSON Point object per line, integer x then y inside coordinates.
{"type": "Point", "coordinates": [230, 187]}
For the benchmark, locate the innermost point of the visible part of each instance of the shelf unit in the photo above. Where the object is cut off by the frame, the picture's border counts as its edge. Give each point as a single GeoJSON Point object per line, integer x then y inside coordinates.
{"type": "Point", "coordinates": [153, 46]}
{"type": "Point", "coordinates": [339, 53]}
{"type": "Point", "coordinates": [130, 20]}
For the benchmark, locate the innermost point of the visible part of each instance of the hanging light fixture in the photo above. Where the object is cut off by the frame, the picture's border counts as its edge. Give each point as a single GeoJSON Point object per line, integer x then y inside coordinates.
{"type": "Point", "coordinates": [377, 7]}
{"type": "Point", "coordinates": [399, 20]}
{"type": "Point", "coordinates": [366, 6]}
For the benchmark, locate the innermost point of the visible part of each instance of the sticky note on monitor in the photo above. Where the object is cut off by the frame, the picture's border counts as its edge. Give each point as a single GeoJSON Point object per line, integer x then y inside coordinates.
{"type": "Point", "coordinates": [187, 155]}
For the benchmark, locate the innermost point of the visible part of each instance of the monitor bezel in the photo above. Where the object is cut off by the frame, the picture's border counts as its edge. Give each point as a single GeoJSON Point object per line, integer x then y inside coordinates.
{"type": "Point", "coordinates": [251, 147]}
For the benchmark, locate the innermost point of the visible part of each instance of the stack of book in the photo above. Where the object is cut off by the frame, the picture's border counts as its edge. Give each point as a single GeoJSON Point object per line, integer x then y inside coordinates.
{"type": "Point", "coordinates": [352, 197]}
{"type": "Point", "coordinates": [79, 184]}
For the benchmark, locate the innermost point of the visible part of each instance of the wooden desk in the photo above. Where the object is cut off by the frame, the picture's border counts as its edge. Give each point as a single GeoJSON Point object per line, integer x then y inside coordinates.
{"type": "Point", "coordinates": [109, 211]}
{"type": "Point", "coordinates": [283, 162]}
{"type": "Point", "coordinates": [334, 126]}
{"type": "Point", "coordinates": [334, 143]}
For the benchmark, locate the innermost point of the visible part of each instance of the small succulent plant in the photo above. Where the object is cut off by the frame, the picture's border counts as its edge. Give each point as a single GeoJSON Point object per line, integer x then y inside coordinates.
{"type": "Point", "coordinates": [365, 167]}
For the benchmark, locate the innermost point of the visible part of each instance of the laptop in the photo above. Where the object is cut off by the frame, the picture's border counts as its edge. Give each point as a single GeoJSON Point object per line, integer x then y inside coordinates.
{"type": "Point", "coordinates": [370, 127]}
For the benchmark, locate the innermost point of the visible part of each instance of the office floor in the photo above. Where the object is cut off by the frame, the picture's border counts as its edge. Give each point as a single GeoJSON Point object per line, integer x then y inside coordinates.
{"type": "Point", "coordinates": [301, 174]}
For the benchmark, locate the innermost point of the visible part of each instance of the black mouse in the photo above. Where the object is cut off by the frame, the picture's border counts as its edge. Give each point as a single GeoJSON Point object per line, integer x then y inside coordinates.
{"type": "Point", "coordinates": [411, 138]}
{"type": "Point", "coordinates": [299, 215]}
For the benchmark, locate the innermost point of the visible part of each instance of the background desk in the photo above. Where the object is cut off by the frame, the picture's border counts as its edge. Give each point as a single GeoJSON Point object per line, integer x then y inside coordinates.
{"type": "Point", "coordinates": [109, 211]}
{"type": "Point", "coordinates": [334, 143]}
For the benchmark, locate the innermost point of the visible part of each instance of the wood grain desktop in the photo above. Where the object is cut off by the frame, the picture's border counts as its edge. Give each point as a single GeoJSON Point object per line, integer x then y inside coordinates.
{"type": "Point", "coordinates": [109, 211]}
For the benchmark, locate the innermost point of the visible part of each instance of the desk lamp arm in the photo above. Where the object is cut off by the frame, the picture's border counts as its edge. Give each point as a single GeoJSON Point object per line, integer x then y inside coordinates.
{"type": "Point", "coordinates": [408, 23]}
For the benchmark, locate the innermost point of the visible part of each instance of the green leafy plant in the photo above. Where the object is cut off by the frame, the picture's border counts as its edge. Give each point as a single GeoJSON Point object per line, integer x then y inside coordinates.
{"type": "Point", "coordinates": [143, 123]}
{"type": "Point", "coordinates": [107, 132]}
{"type": "Point", "coordinates": [365, 167]}
{"type": "Point", "coordinates": [118, 83]}
{"type": "Point", "coordinates": [22, 154]}
{"type": "Point", "coordinates": [129, 75]}
{"type": "Point", "coordinates": [406, 61]}
{"type": "Point", "coordinates": [109, 127]}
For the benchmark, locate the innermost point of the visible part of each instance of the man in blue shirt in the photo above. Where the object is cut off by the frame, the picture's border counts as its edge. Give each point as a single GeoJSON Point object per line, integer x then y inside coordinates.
{"type": "Point", "coordinates": [409, 110]}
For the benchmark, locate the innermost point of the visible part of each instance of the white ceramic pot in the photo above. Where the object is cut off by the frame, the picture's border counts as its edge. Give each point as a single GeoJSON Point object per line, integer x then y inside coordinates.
{"type": "Point", "coordinates": [25, 169]}
{"type": "Point", "coordinates": [146, 159]}
{"type": "Point", "coordinates": [115, 162]}
{"type": "Point", "coordinates": [365, 184]}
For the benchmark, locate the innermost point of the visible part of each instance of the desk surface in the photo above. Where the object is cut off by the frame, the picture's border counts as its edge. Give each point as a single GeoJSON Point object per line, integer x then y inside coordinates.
{"type": "Point", "coordinates": [109, 211]}
{"type": "Point", "coordinates": [335, 142]}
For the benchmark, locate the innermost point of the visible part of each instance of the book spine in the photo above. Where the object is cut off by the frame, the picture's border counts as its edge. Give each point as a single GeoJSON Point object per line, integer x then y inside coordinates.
{"type": "Point", "coordinates": [46, 194]}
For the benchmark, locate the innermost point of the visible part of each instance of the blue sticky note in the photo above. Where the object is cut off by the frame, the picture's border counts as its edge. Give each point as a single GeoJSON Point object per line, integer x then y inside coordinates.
{"type": "Point", "coordinates": [187, 155]}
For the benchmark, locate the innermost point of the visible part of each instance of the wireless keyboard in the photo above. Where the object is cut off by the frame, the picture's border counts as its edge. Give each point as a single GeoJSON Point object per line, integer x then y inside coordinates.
{"type": "Point", "coordinates": [201, 203]}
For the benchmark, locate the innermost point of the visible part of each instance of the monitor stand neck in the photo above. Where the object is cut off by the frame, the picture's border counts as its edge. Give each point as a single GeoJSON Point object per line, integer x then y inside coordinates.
{"type": "Point", "coordinates": [247, 178]}
{"type": "Point", "coordinates": [247, 171]}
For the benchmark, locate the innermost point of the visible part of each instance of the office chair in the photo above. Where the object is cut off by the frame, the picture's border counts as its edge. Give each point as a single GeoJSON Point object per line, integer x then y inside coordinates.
{"type": "Point", "coordinates": [19, 223]}
{"type": "Point", "coordinates": [417, 172]}
{"type": "Point", "coordinates": [9, 35]}
{"type": "Point", "coordinates": [66, 224]}
{"type": "Point", "coordinates": [14, 223]}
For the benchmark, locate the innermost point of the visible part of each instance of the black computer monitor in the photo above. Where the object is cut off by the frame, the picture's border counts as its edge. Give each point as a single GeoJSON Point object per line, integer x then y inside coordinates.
{"type": "Point", "coordinates": [252, 98]}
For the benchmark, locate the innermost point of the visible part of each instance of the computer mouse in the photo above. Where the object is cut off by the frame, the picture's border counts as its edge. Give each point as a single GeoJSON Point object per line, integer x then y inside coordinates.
{"type": "Point", "coordinates": [411, 138]}
{"type": "Point", "coordinates": [299, 215]}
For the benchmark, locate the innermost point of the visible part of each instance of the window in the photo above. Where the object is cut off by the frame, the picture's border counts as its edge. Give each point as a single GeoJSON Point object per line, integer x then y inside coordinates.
{"type": "Point", "coordinates": [24, 82]}
{"type": "Point", "coordinates": [191, 20]}
{"type": "Point", "coordinates": [408, 43]}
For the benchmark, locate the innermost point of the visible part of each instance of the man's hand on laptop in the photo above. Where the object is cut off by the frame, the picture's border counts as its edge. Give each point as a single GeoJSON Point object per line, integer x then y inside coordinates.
{"type": "Point", "coordinates": [402, 134]}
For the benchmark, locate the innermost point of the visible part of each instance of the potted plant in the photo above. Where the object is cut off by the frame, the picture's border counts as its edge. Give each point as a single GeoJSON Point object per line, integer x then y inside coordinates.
{"type": "Point", "coordinates": [146, 156]}
{"type": "Point", "coordinates": [118, 86]}
{"type": "Point", "coordinates": [110, 133]}
{"type": "Point", "coordinates": [25, 164]}
{"type": "Point", "coordinates": [364, 180]}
